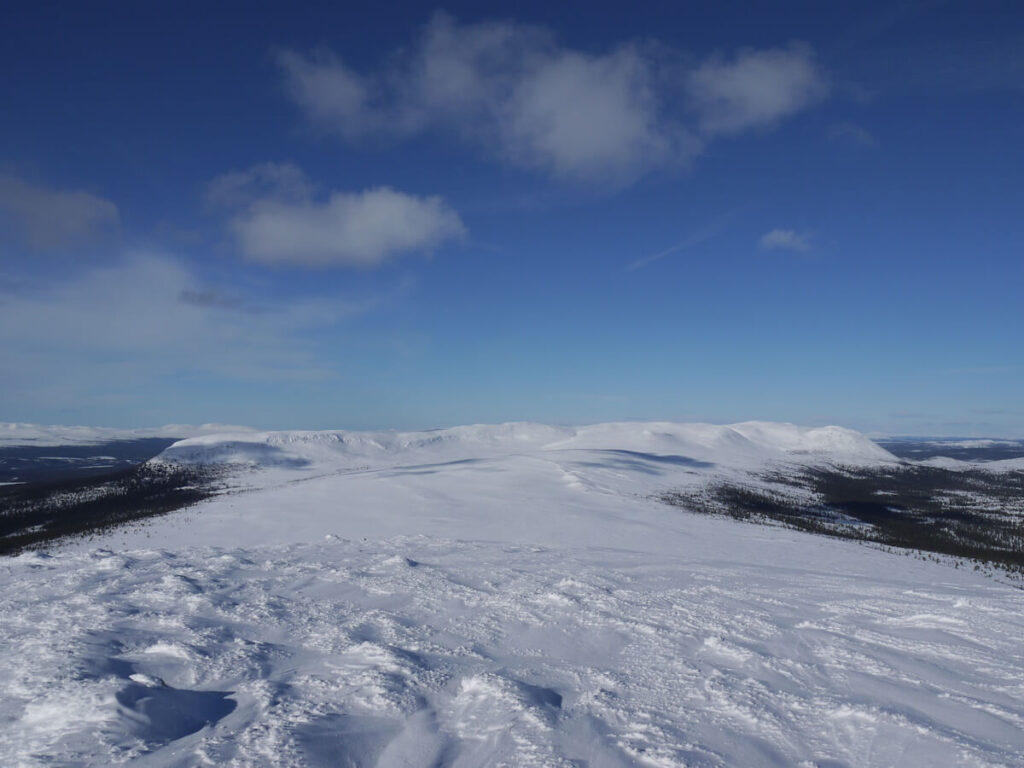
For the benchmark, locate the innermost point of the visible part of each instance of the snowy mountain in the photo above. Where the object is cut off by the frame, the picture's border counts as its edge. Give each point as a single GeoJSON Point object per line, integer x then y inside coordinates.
{"type": "Point", "coordinates": [743, 444]}
{"type": "Point", "coordinates": [503, 595]}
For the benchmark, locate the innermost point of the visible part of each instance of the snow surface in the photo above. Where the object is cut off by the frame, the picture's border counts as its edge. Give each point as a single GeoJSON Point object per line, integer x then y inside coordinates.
{"type": "Point", "coordinates": [505, 595]}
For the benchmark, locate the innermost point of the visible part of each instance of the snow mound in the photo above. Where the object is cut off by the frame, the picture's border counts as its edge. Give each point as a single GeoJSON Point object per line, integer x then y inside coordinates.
{"type": "Point", "coordinates": [736, 445]}
{"type": "Point", "coordinates": [844, 444]}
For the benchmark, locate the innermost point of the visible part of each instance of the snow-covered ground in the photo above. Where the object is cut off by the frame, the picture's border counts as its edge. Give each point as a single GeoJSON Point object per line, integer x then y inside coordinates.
{"type": "Point", "coordinates": [503, 595]}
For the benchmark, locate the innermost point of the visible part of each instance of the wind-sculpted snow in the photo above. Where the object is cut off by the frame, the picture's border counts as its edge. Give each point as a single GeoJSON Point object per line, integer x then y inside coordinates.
{"type": "Point", "coordinates": [769, 649]}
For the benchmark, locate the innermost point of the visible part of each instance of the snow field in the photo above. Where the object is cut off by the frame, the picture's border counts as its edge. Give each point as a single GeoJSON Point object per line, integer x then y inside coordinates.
{"type": "Point", "coordinates": [504, 595]}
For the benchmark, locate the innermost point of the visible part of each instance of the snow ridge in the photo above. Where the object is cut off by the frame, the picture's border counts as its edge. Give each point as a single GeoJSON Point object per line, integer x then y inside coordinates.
{"type": "Point", "coordinates": [738, 444]}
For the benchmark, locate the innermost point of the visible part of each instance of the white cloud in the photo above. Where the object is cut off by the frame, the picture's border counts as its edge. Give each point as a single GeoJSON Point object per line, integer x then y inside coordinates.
{"type": "Point", "coordinates": [334, 94]}
{"type": "Point", "coordinates": [786, 240]}
{"type": "Point", "coordinates": [358, 230]}
{"type": "Point", "coordinates": [50, 219]}
{"type": "Point", "coordinates": [591, 117]}
{"type": "Point", "coordinates": [512, 90]}
{"type": "Point", "coordinates": [756, 89]}
{"type": "Point", "coordinates": [278, 220]}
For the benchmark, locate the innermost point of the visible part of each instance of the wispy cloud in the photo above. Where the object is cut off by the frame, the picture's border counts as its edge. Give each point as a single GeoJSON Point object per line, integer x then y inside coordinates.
{"type": "Point", "coordinates": [149, 316]}
{"type": "Point", "coordinates": [208, 297]}
{"type": "Point", "coordinates": [526, 100]}
{"type": "Point", "coordinates": [696, 238]}
{"type": "Point", "coordinates": [52, 219]}
{"type": "Point", "coordinates": [851, 133]}
{"type": "Point", "coordinates": [284, 182]}
{"type": "Point", "coordinates": [785, 240]}
{"type": "Point", "coordinates": [279, 221]}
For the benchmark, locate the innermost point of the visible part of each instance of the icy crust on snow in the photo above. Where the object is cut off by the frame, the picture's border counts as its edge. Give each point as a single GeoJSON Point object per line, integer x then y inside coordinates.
{"type": "Point", "coordinates": [775, 649]}
{"type": "Point", "coordinates": [19, 433]}
{"type": "Point", "coordinates": [738, 444]}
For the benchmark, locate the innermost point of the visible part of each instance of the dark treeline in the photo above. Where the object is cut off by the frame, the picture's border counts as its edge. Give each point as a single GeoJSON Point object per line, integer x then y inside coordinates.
{"type": "Point", "coordinates": [971, 514]}
{"type": "Point", "coordinates": [32, 515]}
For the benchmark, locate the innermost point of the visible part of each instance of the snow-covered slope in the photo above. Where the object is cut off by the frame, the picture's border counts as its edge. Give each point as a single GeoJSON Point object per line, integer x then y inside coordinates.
{"type": "Point", "coordinates": [735, 445]}
{"type": "Point", "coordinates": [503, 595]}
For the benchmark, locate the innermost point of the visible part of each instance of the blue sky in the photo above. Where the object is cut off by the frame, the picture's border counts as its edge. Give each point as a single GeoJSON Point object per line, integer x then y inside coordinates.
{"type": "Point", "coordinates": [418, 216]}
